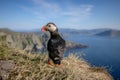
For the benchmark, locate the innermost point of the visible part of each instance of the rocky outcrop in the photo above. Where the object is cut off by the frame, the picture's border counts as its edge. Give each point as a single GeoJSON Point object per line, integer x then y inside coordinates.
{"type": "Point", "coordinates": [30, 42]}
{"type": "Point", "coordinates": [23, 41]}
{"type": "Point", "coordinates": [71, 45]}
{"type": "Point", "coordinates": [5, 67]}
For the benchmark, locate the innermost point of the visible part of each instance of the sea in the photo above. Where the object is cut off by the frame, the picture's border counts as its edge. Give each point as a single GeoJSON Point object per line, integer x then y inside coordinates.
{"type": "Point", "coordinates": [102, 51]}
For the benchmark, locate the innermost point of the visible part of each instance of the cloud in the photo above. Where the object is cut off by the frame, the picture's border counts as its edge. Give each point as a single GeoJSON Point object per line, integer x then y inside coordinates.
{"type": "Point", "coordinates": [46, 10]}
{"type": "Point", "coordinates": [78, 10]}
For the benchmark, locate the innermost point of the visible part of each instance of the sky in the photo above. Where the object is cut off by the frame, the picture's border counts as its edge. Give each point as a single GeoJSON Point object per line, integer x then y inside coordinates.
{"type": "Point", "coordinates": [72, 14]}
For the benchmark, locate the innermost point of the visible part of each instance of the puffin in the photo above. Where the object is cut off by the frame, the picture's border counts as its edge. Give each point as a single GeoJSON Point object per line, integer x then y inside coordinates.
{"type": "Point", "coordinates": [56, 45]}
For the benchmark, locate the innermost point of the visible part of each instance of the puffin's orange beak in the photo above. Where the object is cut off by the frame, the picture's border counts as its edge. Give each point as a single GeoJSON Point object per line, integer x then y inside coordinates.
{"type": "Point", "coordinates": [43, 29]}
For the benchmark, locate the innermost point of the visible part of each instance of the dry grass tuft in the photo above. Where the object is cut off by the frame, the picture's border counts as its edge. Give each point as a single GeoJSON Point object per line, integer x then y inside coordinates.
{"type": "Point", "coordinates": [34, 67]}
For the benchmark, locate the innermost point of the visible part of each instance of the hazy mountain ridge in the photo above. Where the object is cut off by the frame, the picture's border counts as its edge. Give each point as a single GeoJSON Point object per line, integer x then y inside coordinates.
{"type": "Point", "coordinates": [30, 41]}
{"type": "Point", "coordinates": [95, 32]}
{"type": "Point", "coordinates": [111, 33]}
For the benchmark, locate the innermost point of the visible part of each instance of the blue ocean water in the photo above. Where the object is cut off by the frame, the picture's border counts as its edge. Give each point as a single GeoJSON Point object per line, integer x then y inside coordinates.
{"type": "Point", "coordinates": [101, 52]}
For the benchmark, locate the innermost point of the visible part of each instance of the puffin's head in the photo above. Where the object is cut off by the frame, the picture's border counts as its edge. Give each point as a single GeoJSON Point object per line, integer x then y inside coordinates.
{"type": "Point", "coordinates": [51, 27]}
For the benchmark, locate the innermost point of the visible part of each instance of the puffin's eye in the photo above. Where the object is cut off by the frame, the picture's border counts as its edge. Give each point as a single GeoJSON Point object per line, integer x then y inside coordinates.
{"type": "Point", "coordinates": [49, 26]}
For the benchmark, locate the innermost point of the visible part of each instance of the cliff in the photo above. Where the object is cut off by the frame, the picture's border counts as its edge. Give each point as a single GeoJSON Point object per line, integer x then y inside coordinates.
{"type": "Point", "coordinates": [16, 64]}
{"type": "Point", "coordinates": [29, 41]}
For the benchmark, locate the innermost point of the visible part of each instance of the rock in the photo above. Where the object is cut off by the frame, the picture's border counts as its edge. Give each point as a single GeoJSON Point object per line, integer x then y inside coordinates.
{"type": "Point", "coordinates": [5, 68]}
{"type": "Point", "coordinates": [70, 45]}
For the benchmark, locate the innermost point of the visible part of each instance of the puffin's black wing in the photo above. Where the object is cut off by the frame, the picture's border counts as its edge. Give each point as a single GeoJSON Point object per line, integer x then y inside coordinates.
{"type": "Point", "coordinates": [56, 48]}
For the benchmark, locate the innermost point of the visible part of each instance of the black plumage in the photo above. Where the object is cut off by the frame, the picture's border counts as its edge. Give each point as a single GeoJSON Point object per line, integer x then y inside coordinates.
{"type": "Point", "coordinates": [56, 44]}
{"type": "Point", "coordinates": [56, 48]}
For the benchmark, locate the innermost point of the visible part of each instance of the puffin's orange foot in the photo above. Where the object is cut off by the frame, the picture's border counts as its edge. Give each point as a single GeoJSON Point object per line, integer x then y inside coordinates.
{"type": "Point", "coordinates": [50, 63]}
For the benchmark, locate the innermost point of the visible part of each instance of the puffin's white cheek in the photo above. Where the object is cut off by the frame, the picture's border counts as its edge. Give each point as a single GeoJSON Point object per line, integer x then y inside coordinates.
{"type": "Point", "coordinates": [53, 28]}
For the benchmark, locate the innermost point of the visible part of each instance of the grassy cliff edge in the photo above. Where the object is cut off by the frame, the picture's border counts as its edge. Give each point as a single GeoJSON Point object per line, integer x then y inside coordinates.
{"type": "Point", "coordinates": [17, 65]}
